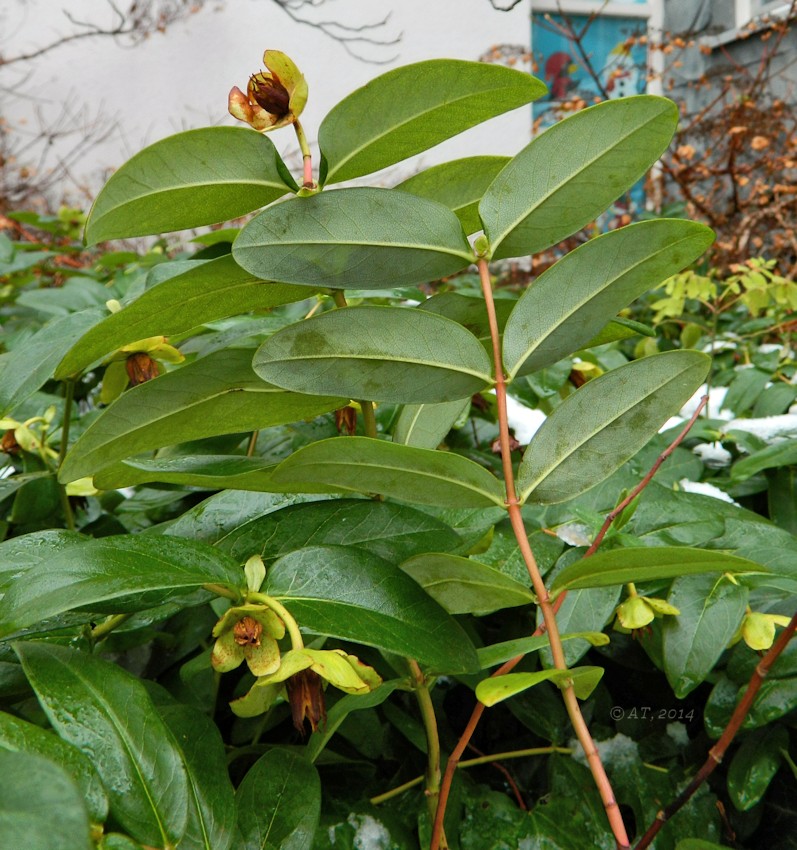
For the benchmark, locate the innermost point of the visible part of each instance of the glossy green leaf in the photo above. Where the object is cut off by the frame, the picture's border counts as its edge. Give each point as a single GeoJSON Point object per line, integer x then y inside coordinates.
{"type": "Point", "coordinates": [606, 422]}
{"type": "Point", "coordinates": [498, 653]}
{"type": "Point", "coordinates": [31, 363]}
{"type": "Point", "coordinates": [570, 174]}
{"type": "Point", "coordinates": [20, 554]}
{"type": "Point", "coordinates": [211, 800]}
{"type": "Point", "coordinates": [211, 290]}
{"type": "Point", "coordinates": [411, 109]}
{"type": "Point", "coordinates": [353, 595]}
{"type": "Point", "coordinates": [776, 455]}
{"type": "Point", "coordinates": [755, 764]}
{"type": "Point", "coordinates": [395, 354]}
{"type": "Point", "coordinates": [40, 806]}
{"type": "Point", "coordinates": [107, 713]}
{"type": "Point", "coordinates": [361, 238]}
{"type": "Point", "coordinates": [711, 609]}
{"type": "Point", "coordinates": [470, 312]}
{"type": "Point", "coordinates": [649, 563]}
{"type": "Point", "coordinates": [219, 394]}
{"type": "Point", "coordinates": [279, 802]}
{"type": "Point", "coordinates": [119, 570]}
{"type": "Point", "coordinates": [194, 178]}
{"type": "Point", "coordinates": [365, 465]}
{"type": "Point", "coordinates": [458, 184]}
{"type": "Point", "coordinates": [213, 472]}
{"type": "Point", "coordinates": [464, 586]}
{"type": "Point", "coordinates": [498, 688]}
{"type": "Point", "coordinates": [776, 698]}
{"type": "Point", "coordinates": [393, 532]}
{"type": "Point", "coordinates": [620, 328]}
{"type": "Point", "coordinates": [19, 735]}
{"type": "Point", "coordinates": [426, 425]}
{"type": "Point", "coordinates": [572, 301]}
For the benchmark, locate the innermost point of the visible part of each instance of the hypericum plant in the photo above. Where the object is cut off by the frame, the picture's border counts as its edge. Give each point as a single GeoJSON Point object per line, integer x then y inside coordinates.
{"type": "Point", "coordinates": [377, 557]}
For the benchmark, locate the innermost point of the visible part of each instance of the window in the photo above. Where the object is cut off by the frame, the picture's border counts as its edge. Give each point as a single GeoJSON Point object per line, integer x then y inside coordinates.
{"type": "Point", "coordinates": [748, 10]}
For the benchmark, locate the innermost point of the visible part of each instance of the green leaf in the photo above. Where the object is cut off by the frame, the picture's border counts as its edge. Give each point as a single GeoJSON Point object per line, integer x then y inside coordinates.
{"type": "Point", "coordinates": [619, 328]}
{"type": "Point", "coordinates": [425, 425]}
{"type": "Point", "coordinates": [31, 363]}
{"type": "Point", "coordinates": [194, 178]}
{"type": "Point", "coordinates": [219, 394]}
{"type": "Point", "coordinates": [498, 688]}
{"type": "Point", "coordinates": [354, 595]}
{"type": "Point", "coordinates": [458, 184]}
{"type": "Point", "coordinates": [498, 653]}
{"type": "Point", "coordinates": [606, 422]}
{"type": "Point", "coordinates": [775, 699]}
{"type": "Point", "coordinates": [213, 472]}
{"type": "Point", "coordinates": [362, 238]}
{"type": "Point", "coordinates": [570, 173]}
{"type": "Point", "coordinates": [365, 465]}
{"type": "Point", "coordinates": [211, 799]}
{"type": "Point", "coordinates": [413, 108]}
{"type": "Point", "coordinates": [648, 563]}
{"type": "Point", "coordinates": [754, 766]}
{"type": "Point", "coordinates": [119, 570]}
{"type": "Point", "coordinates": [778, 454]}
{"type": "Point", "coordinates": [40, 806]}
{"type": "Point", "coordinates": [464, 586]}
{"type": "Point", "coordinates": [394, 354]}
{"type": "Point", "coordinates": [571, 302]}
{"type": "Point", "coordinates": [18, 735]}
{"type": "Point", "coordinates": [711, 609]}
{"type": "Point", "coordinates": [107, 713]}
{"type": "Point", "coordinates": [393, 532]}
{"type": "Point", "coordinates": [279, 802]}
{"type": "Point", "coordinates": [211, 290]}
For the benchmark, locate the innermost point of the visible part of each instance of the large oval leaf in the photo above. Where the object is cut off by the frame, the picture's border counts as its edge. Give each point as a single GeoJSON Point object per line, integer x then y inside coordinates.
{"type": "Point", "coordinates": [393, 532]}
{"type": "Point", "coordinates": [415, 475]}
{"type": "Point", "coordinates": [606, 422]}
{"type": "Point", "coordinates": [353, 595]}
{"type": "Point", "coordinates": [108, 714]}
{"type": "Point", "coordinates": [411, 109]}
{"type": "Point", "coordinates": [712, 607]}
{"type": "Point", "coordinates": [279, 802]}
{"type": "Point", "coordinates": [571, 173]}
{"type": "Point", "coordinates": [19, 735]}
{"type": "Point", "coordinates": [40, 806]}
{"type": "Point", "coordinates": [194, 178]}
{"type": "Point", "coordinates": [458, 184]}
{"type": "Point", "coordinates": [209, 291]}
{"type": "Point", "coordinates": [120, 570]}
{"type": "Point", "coordinates": [648, 563]}
{"type": "Point", "coordinates": [354, 238]}
{"type": "Point", "coordinates": [395, 354]}
{"type": "Point", "coordinates": [464, 586]}
{"type": "Point", "coordinates": [572, 301]}
{"type": "Point", "coordinates": [219, 394]}
{"type": "Point", "coordinates": [584, 680]}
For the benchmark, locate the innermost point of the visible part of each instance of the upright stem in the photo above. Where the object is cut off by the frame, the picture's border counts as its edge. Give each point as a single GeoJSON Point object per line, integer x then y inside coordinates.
{"type": "Point", "coordinates": [307, 157]}
{"type": "Point", "coordinates": [543, 599]}
{"type": "Point", "coordinates": [424, 697]}
{"type": "Point", "coordinates": [69, 395]}
{"type": "Point", "coordinates": [369, 419]}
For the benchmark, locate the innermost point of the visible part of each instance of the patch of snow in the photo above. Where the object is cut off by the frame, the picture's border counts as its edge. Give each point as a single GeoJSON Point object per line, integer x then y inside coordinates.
{"type": "Point", "coordinates": [619, 751]}
{"type": "Point", "coordinates": [677, 731]}
{"type": "Point", "coordinates": [713, 455]}
{"type": "Point", "coordinates": [713, 409]}
{"type": "Point", "coordinates": [574, 534]}
{"type": "Point", "coordinates": [524, 421]}
{"type": "Point", "coordinates": [771, 429]}
{"type": "Point", "coordinates": [704, 490]}
{"type": "Point", "coordinates": [370, 833]}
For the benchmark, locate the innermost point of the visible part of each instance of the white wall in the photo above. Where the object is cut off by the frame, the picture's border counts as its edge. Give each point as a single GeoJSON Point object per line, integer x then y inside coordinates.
{"type": "Point", "coordinates": [181, 80]}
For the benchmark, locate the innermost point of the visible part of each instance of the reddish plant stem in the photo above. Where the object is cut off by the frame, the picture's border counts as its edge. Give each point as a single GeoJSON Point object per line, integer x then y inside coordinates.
{"type": "Point", "coordinates": [717, 752]}
{"type": "Point", "coordinates": [612, 515]}
{"type": "Point", "coordinates": [543, 598]}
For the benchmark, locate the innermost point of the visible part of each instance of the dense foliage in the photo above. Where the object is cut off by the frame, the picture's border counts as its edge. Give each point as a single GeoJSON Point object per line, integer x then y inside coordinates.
{"type": "Point", "coordinates": [259, 561]}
